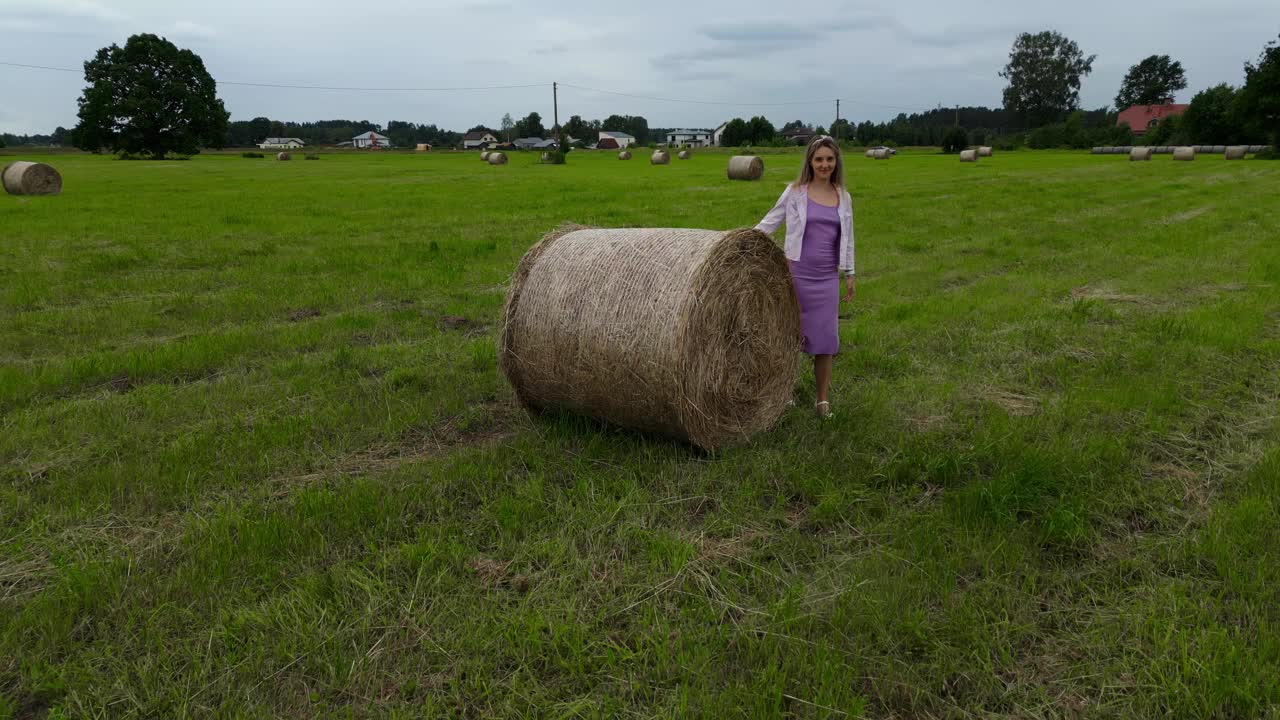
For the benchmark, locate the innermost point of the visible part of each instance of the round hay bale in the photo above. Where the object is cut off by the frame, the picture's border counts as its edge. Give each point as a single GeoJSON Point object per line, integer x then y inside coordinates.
{"type": "Point", "coordinates": [484, 156]}
{"type": "Point", "coordinates": [624, 155]}
{"type": "Point", "coordinates": [650, 328]}
{"type": "Point", "coordinates": [659, 157]}
{"type": "Point", "coordinates": [984, 151]}
{"type": "Point", "coordinates": [1140, 153]}
{"type": "Point", "coordinates": [497, 158]}
{"type": "Point", "coordinates": [1219, 148]}
{"type": "Point", "coordinates": [30, 178]}
{"type": "Point", "coordinates": [870, 152]}
{"type": "Point", "coordinates": [968, 156]}
{"type": "Point", "coordinates": [1184, 153]}
{"type": "Point", "coordinates": [423, 147]}
{"type": "Point", "coordinates": [1096, 151]}
{"type": "Point", "coordinates": [283, 156]}
{"type": "Point", "coordinates": [684, 154]}
{"type": "Point", "coordinates": [1235, 152]}
{"type": "Point", "coordinates": [746, 167]}
{"type": "Point", "coordinates": [1257, 148]}
{"type": "Point", "coordinates": [882, 154]}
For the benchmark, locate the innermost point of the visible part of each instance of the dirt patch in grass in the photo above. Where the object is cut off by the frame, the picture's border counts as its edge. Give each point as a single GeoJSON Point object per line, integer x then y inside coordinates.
{"type": "Point", "coordinates": [469, 327]}
{"type": "Point", "coordinates": [301, 314]}
{"type": "Point", "coordinates": [1016, 404]}
{"type": "Point", "coordinates": [1102, 293]}
{"type": "Point", "coordinates": [493, 574]}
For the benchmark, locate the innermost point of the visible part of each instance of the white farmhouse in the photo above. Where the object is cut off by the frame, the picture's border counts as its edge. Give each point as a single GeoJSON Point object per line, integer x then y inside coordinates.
{"type": "Point", "coordinates": [715, 134]}
{"type": "Point", "coordinates": [370, 139]}
{"type": "Point", "coordinates": [281, 144]}
{"type": "Point", "coordinates": [615, 140]}
{"type": "Point", "coordinates": [689, 138]}
{"type": "Point", "coordinates": [478, 139]}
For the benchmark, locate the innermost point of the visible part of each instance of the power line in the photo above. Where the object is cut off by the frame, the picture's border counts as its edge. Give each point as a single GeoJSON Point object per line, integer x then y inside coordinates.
{"type": "Point", "coordinates": [697, 102]}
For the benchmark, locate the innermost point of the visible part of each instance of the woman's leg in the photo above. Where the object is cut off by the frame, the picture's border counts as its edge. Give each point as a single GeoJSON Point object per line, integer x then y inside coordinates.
{"type": "Point", "coordinates": [822, 374]}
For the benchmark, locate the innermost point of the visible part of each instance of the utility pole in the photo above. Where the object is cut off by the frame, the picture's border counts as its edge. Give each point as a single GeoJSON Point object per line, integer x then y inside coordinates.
{"type": "Point", "coordinates": [837, 122]}
{"type": "Point", "coordinates": [555, 106]}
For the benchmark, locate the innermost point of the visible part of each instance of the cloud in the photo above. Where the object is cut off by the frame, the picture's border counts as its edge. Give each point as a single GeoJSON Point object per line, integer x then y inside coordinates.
{"type": "Point", "coordinates": [191, 29]}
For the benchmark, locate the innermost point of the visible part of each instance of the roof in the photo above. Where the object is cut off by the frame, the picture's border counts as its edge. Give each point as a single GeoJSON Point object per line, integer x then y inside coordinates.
{"type": "Point", "coordinates": [282, 141]}
{"type": "Point", "coordinates": [546, 144]}
{"type": "Point", "coordinates": [616, 135]}
{"type": "Point", "coordinates": [478, 135]}
{"type": "Point", "coordinates": [689, 132]}
{"type": "Point", "coordinates": [1141, 117]}
{"type": "Point", "coordinates": [369, 136]}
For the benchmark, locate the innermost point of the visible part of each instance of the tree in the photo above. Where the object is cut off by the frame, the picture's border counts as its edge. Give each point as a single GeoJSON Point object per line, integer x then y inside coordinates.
{"type": "Point", "coordinates": [761, 130]}
{"type": "Point", "coordinates": [1211, 117]}
{"type": "Point", "coordinates": [793, 125]}
{"type": "Point", "coordinates": [149, 97]}
{"type": "Point", "coordinates": [507, 125]}
{"type": "Point", "coordinates": [842, 130]}
{"type": "Point", "coordinates": [1151, 81]}
{"type": "Point", "coordinates": [530, 126]}
{"type": "Point", "coordinates": [634, 125]}
{"type": "Point", "coordinates": [736, 132]}
{"type": "Point", "coordinates": [576, 128]}
{"type": "Point", "coordinates": [955, 140]}
{"type": "Point", "coordinates": [1044, 72]}
{"type": "Point", "coordinates": [1259, 99]}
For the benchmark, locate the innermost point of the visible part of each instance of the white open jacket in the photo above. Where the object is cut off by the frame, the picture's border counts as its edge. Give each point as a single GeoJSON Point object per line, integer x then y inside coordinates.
{"type": "Point", "coordinates": [793, 207]}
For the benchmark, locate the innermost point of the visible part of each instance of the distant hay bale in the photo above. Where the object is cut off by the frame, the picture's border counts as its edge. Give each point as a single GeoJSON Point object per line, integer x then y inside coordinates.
{"type": "Point", "coordinates": [882, 154]}
{"type": "Point", "coordinates": [497, 158]}
{"type": "Point", "coordinates": [684, 154]}
{"type": "Point", "coordinates": [1140, 153]}
{"type": "Point", "coordinates": [659, 157]}
{"type": "Point", "coordinates": [649, 328]}
{"type": "Point", "coordinates": [484, 156]}
{"type": "Point", "coordinates": [624, 155]}
{"type": "Point", "coordinates": [30, 178]}
{"type": "Point", "coordinates": [1235, 152]}
{"type": "Point", "coordinates": [283, 156]}
{"type": "Point", "coordinates": [423, 147]}
{"type": "Point", "coordinates": [1096, 151]}
{"type": "Point", "coordinates": [984, 151]}
{"type": "Point", "coordinates": [746, 167]}
{"type": "Point", "coordinates": [1219, 148]}
{"type": "Point", "coordinates": [1184, 153]}
{"type": "Point", "coordinates": [871, 153]}
{"type": "Point", "coordinates": [1257, 148]}
{"type": "Point", "coordinates": [968, 156]}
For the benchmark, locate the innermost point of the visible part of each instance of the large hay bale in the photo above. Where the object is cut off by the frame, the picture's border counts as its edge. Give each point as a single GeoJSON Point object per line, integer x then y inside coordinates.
{"type": "Point", "coordinates": [746, 167]}
{"type": "Point", "coordinates": [659, 157]}
{"type": "Point", "coordinates": [497, 158]}
{"type": "Point", "coordinates": [1235, 152]}
{"type": "Point", "coordinates": [694, 334]}
{"type": "Point", "coordinates": [882, 154]}
{"type": "Point", "coordinates": [984, 151]}
{"type": "Point", "coordinates": [624, 155]}
{"type": "Point", "coordinates": [423, 147]}
{"type": "Point", "coordinates": [484, 156]}
{"type": "Point", "coordinates": [684, 154]}
{"type": "Point", "coordinates": [968, 156]}
{"type": "Point", "coordinates": [1140, 153]}
{"type": "Point", "coordinates": [30, 178]}
{"type": "Point", "coordinates": [283, 156]}
{"type": "Point", "coordinates": [1184, 153]}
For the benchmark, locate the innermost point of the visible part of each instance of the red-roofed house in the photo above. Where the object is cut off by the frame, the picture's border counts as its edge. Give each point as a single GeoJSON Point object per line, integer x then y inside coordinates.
{"type": "Point", "coordinates": [1142, 118]}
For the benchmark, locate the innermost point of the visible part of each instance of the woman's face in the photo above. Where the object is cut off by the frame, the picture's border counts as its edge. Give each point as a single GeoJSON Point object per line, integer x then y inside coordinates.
{"type": "Point", "coordinates": [823, 163]}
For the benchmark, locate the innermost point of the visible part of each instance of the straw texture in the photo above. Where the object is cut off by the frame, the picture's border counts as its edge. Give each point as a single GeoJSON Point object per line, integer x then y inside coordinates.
{"type": "Point", "coordinates": [659, 157]}
{"type": "Point", "coordinates": [870, 153]}
{"type": "Point", "coordinates": [28, 178]}
{"type": "Point", "coordinates": [423, 147]}
{"type": "Point", "coordinates": [1140, 153]}
{"type": "Point", "coordinates": [968, 156]}
{"type": "Point", "coordinates": [624, 155]}
{"type": "Point", "coordinates": [694, 334]}
{"type": "Point", "coordinates": [284, 156]}
{"type": "Point", "coordinates": [1184, 153]}
{"type": "Point", "coordinates": [746, 167]}
{"type": "Point", "coordinates": [497, 158]}
{"type": "Point", "coordinates": [484, 155]}
{"type": "Point", "coordinates": [984, 151]}
{"type": "Point", "coordinates": [882, 154]}
{"type": "Point", "coordinates": [1236, 152]}
{"type": "Point", "coordinates": [684, 154]}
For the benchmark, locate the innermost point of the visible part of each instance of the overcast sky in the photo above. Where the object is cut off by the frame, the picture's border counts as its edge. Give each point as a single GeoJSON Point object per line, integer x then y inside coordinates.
{"type": "Point", "coordinates": [749, 53]}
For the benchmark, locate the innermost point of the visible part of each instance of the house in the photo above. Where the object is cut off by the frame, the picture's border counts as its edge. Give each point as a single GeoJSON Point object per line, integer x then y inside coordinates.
{"type": "Point", "coordinates": [715, 134]}
{"type": "Point", "coordinates": [548, 144]}
{"type": "Point", "coordinates": [799, 136]}
{"type": "Point", "coordinates": [1142, 118]}
{"type": "Point", "coordinates": [528, 143]}
{"type": "Point", "coordinates": [689, 138]}
{"type": "Point", "coordinates": [281, 144]}
{"type": "Point", "coordinates": [370, 140]}
{"type": "Point", "coordinates": [618, 140]}
{"type": "Point", "coordinates": [478, 140]}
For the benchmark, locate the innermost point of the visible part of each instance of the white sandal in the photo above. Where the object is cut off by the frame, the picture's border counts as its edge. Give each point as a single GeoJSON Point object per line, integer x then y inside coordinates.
{"type": "Point", "coordinates": [825, 415]}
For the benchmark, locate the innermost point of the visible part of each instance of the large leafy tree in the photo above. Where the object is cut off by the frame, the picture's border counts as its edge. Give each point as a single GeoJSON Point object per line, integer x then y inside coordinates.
{"type": "Point", "coordinates": [1151, 81]}
{"type": "Point", "coordinates": [634, 125]}
{"type": "Point", "coordinates": [149, 97]}
{"type": "Point", "coordinates": [1044, 73]}
{"type": "Point", "coordinates": [530, 126]}
{"type": "Point", "coordinates": [507, 125]}
{"type": "Point", "coordinates": [1211, 117]}
{"type": "Point", "coordinates": [1259, 99]}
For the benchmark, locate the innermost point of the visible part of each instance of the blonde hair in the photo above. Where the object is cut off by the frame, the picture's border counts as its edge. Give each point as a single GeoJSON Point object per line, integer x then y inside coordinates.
{"type": "Point", "coordinates": [806, 172]}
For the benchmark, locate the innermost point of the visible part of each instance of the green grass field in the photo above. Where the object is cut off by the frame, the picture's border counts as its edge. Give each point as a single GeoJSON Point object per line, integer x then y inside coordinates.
{"type": "Point", "coordinates": [256, 458]}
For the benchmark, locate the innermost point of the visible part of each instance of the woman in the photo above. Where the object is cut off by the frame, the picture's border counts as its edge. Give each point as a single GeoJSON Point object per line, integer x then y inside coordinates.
{"type": "Point", "coordinates": [819, 248]}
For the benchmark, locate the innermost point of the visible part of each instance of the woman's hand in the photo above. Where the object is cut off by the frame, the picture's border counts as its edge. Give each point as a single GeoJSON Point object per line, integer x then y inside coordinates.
{"type": "Point", "coordinates": [850, 288]}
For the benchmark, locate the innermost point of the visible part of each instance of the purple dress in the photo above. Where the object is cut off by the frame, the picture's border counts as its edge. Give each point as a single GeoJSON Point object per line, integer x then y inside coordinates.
{"type": "Point", "coordinates": [817, 280]}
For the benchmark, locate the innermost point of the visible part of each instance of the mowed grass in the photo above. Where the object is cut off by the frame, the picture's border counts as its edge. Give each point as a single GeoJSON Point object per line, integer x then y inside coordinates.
{"type": "Point", "coordinates": [256, 458]}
